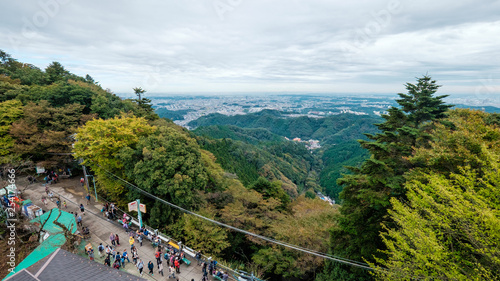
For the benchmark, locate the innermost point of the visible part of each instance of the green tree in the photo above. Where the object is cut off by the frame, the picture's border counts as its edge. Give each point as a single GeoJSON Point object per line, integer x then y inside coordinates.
{"type": "Point", "coordinates": [448, 229]}
{"type": "Point", "coordinates": [367, 192]}
{"type": "Point", "coordinates": [448, 226]}
{"type": "Point", "coordinates": [145, 107]}
{"type": "Point", "coordinates": [44, 133]}
{"type": "Point", "coordinates": [307, 225]}
{"type": "Point", "coordinates": [138, 92]}
{"type": "Point", "coordinates": [271, 189]}
{"type": "Point", "coordinates": [55, 72]}
{"type": "Point", "coordinates": [10, 111]}
{"type": "Point", "coordinates": [108, 105]}
{"type": "Point", "coordinates": [99, 144]}
{"type": "Point", "coordinates": [203, 235]}
{"type": "Point", "coordinates": [168, 164]}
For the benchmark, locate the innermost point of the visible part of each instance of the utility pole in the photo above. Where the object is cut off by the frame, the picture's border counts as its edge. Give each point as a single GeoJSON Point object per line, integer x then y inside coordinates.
{"type": "Point", "coordinates": [139, 212]}
{"type": "Point", "coordinates": [86, 180]}
{"type": "Point", "coordinates": [95, 190]}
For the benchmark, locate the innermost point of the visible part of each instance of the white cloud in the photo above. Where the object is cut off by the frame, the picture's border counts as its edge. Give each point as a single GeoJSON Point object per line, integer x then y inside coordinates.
{"type": "Point", "coordinates": [245, 46]}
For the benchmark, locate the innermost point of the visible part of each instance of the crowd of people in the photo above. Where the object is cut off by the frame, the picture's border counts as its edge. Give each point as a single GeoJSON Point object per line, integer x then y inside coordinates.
{"type": "Point", "coordinates": [51, 177]}
{"type": "Point", "coordinates": [167, 257]}
{"type": "Point", "coordinates": [109, 211]}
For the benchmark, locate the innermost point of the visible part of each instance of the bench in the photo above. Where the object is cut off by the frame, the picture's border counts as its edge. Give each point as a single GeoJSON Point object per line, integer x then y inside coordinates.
{"type": "Point", "coordinates": [173, 245]}
{"type": "Point", "coordinates": [217, 278]}
{"type": "Point", "coordinates": [186, 261]}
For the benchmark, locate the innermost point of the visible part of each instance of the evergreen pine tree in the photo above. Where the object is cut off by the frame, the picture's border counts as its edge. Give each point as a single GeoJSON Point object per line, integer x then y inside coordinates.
{"type": "Point", "coordinates": [367, 191]}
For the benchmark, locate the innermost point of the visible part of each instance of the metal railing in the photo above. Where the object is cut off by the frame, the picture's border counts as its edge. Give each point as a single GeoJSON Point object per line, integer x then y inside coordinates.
{"type": "Point", "coordinates": [166, 238]}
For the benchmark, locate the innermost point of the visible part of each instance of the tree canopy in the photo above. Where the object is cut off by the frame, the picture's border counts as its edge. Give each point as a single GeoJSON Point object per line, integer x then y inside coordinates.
{"type": "Point", "coordinates": [367, 192]}
{"type": "Point", "coordinates": [448, 227]}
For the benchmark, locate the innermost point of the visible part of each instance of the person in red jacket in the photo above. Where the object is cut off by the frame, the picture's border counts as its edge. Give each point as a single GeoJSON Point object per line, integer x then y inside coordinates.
{"type": "Point", "coordinates": [177, 266]}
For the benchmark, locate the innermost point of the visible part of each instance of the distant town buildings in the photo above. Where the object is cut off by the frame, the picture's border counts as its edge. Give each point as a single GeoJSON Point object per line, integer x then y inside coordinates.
{"type": "Point", "coordinates": [310, 144]}
{"type": "Point", "coordinates": [291, 105]}
{"type": "Point", "coordinates": [325, 198]}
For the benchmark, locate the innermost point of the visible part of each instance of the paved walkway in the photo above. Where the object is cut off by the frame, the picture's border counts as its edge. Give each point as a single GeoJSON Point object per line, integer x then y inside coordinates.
{"type": "Point", "coordinates": [100, 228]}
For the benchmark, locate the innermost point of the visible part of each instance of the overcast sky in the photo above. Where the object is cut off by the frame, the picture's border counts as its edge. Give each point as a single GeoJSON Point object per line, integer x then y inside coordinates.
{"type": "Point", "coordinates": [232, 46]}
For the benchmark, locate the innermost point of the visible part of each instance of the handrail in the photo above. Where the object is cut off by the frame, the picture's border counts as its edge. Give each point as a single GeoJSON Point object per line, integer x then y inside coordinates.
{"type": "Point", "coordinates": [164, 237]}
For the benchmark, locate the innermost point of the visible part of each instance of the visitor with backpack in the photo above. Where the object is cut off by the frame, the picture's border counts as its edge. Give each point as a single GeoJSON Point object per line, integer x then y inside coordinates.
{"type": "Point", "coordinates": [198, 258]}
{"type": "Point", "coordinates": [118, 257]}
{"type": "Point", "coordinates": [135, 256]}
{"type": "Point", "coordinates": [100, 248]}
{"type": "Point", "coordinates": [140, 266]}
{"type": "Point", "coordinates": [158, 257]}
{"type": "Point", "coordinates": [125, 255]}
{"type": "Point", "coordinates": [151, 266]}
{"type": "Point", "coordinates": [107, 261]}
{"type": "Point", "coordinates": [177, 266]}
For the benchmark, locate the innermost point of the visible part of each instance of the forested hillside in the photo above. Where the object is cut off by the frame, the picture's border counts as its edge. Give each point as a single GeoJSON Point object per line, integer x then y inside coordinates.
{"type": "Point", "coordinates": [337, 134]}
{"type": "Point", "coordinates": [448, 225]}
{"type": "Point", "coordinates": [41, 109]}
{"type": "Point", "coordinates": [248, 135]}
{"type": "Point", "coordinates": [400, 208]}
{"type": "Point", "coordinates": [331, 129]}
{"type": "Point", "coordinates": [254, 153]}
{"type": "Point", "coordinates": [171, 114]}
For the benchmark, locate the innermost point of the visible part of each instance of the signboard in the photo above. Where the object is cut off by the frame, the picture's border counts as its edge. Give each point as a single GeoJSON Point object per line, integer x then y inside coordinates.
{"type": "Point", "coordinates": [142, 207]}
{"type": "Point", "coordinates": [40, 170]}
{"type": "Point", "coordinates": [132, 206]}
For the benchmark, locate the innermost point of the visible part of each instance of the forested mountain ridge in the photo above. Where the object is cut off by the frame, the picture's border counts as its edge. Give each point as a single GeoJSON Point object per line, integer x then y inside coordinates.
{"type": "Point", "coordinates": [337, 135]}
{"type": "Point", "coordinates": [331, 129]}
{"type": "Point", "coordinates": [248, 135]}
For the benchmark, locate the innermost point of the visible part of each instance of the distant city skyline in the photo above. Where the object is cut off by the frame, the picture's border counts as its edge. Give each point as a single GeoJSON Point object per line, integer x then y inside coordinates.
{"type": "Point", "coordinates": [184, 109]}
{"type": "Point", "coordinates": [488, 99]}
{"type": "Point", "coordinates": [234, 46]}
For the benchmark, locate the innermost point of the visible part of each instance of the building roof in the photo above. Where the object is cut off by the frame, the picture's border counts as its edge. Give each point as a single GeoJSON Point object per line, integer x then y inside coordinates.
{"type": "Point", "coordinates": [65, 219]}
{"type": "Point", "coordinates": [23, 275]}
{"type": "Point", "coordinates": [55, 237]}
{"type": "Point", "coordinates": [63, 265]}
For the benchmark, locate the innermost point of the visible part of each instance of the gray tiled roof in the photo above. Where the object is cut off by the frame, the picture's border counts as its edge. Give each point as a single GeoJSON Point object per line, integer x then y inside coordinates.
{"type": "Point", "coordinates": [22, 275]}
{"type": "Point", "coordinates": [63, 265]}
